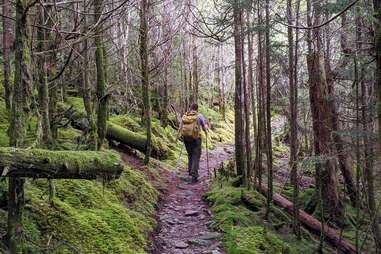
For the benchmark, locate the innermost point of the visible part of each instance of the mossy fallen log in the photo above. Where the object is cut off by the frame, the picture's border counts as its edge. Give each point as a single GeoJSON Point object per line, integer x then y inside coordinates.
{"type": "Point", "coordinates": [330, 234]}
{"type": "Point", "coordinates": [117, 133]}
{"type": "Point", "coordinates": [40, 163]}
{"type": "Point", "coordinates": [125, 136]}
{"type": "Point", "coordinates": [135, 140]}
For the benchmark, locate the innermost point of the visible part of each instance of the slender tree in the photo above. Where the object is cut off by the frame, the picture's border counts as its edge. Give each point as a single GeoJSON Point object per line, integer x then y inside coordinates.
{"type": "Point", "coordinates": [7, 42]}
{"type": "Point", "coordinates": [261, 123]}
{"type": "Point", "coordinates": [19, 120]}
{"type": "Point", "coordinates": [238, 116]}
{"type": "Point", "coordinates": [367, 115]}
{"type": "Point", "coordinates": [144, 8]}
{"type": "Point", "coordinates": [87, 89]}
{"type": "Point", "coordinates": [293, 120]}
{"type": "Point", "coordinates": [377, 39]}
{"type": "Point", "coordinates": [250, 82]}
{"type": "Point", "coordinates": [102, 97]}
{"type": "Point", "coordinates": [43, 87]}
{"type": "Point", "coordinates": [268, 113]}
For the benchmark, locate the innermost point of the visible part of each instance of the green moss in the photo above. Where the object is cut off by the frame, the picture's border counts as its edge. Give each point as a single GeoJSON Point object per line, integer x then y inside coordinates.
{"type": "Point", "coordinates": [76, 158]}
{"type": "Point", "coordinates": [114, 217]}
{"type": "Point", "coordinates": [77, 103]}
{"type": "Point", "coordinates": [244, 229]}
{"type": "Point", "coordinates": [280, 149]}
{"type": "Point", "coordinates": [4, 124]}
{"type": "Point", "coordinates": [253, 240]}
{"type": "Point", "coordinates": [95, 218]}
{"type": "Point", "coordinates": [129, 122]}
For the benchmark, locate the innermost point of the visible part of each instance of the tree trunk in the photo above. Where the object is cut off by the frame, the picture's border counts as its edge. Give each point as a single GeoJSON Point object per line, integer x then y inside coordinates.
{"type": "Point", "coordinates": [164, 109]}
{"type": "Point", "coordinates": [246, 137]}
{"type": "Point", "coordinates": [19, 121]}
{"type": "Point", "coordinates": [117, 133]}
{"type": "Point", "coordinates": [101, 78]}
{"type": "Point", "coordinates": [293, 122]}
{"type": "Point", "coordinates": [134, 140]}
{"type": "Point", "coordinates": [312, 224]}
{"type": "Point", "coordinates": [268, 113]}
{"type": "Point", "coordinates": [238, 118]}
{"type": "Point", "coordinates": [322, 130]}
{"type": "Point", "coordinates": [250, 87]}
{"type": "Point", "coordinates": [195, 67]}
{"type": "Point", "coordinates": [344, 164]}
{"type": "Point", "coordinates": [43, 88]}
{"type": "Point", "coordinates": [144, 8]}
{"type": "Point", "coordinates": [367, 116]}
{"type": "Point", "coordinates": [39, 163]}
{"type": "Point", "coordinates": [87, 91]}
{"type": "Point", "coordinates": [377, 39]}
{"type": "Point", "coordinates": [369, 171]}
{"type": "Point", "coordinates": [221, 67]}
{"type": "Point", "coordinates": [261, 129]}
{"type": "Point", "coordinates": [7, 43]}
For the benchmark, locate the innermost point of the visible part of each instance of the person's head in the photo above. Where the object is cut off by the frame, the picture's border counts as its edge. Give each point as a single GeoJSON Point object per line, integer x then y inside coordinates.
{"type": "Point", "coordinates": [194, 107]}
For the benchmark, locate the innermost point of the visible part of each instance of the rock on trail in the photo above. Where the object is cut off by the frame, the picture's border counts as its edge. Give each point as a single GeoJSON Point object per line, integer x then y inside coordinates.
{"type": "Point", "coordinates": [183, 216]}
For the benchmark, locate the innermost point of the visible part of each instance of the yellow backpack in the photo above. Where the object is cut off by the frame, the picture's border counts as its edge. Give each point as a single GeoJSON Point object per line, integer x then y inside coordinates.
{"type": "Point", "coordinates": [190, 127]}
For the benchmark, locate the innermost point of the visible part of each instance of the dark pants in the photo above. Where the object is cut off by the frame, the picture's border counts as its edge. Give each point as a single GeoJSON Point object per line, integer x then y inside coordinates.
{"type": "Point", "coordinates": [193, 147]}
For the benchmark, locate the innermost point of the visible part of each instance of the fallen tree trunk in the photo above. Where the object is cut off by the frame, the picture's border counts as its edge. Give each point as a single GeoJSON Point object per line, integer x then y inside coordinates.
{"type": "Point", "coordinates": [39, 163]}
{"type": "Point", "coordinates": [116, 132]}
{"type": "Point", "coordinates": [311, 223]}
{"type": "Point", "coordinates": [125, 136]}
{"type": "Point", "coordinates": [134, 140]}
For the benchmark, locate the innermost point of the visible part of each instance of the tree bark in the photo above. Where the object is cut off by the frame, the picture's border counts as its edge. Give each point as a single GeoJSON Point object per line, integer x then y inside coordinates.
{"type": "Point", "coordinates": [250, 81]}
{"type": "Point", "coordinates": [195, 63]}
{"type": "Point", "coordinates": [344, 164]}
{"type": "Point", "coordinates": [7, 42]}
{"type": "Point", "coordinates": [238, 117]}
{"type": "Point", "coordinates": [144, 8]}
{"type": "Point", "coordinates": [87, 91]}
{"type": "Point", "coordinates": [164, 109]}
{"type": "Point", "coordinates": [261, 84]}
{"type": "Point", "coordinates": [377, 39]}
{"type": "Point", "coordinates": [246, 99]}
{"type": "Point", "coordinates": [19, 121]}
{"type": "Point", "coordinates": [40, 163]}
{"type": "Point", "coordinates": [134, 140]}
{"type": "Point", "coordinates": [223, 82]}
{"type": "Point", "coordinates": [322, 130]}
{"type": "Point", "coordinates": [102, 98]}
{"type": "Point", "coordinates": [367, 116]}
{"type": "Point", "coordinates": [117, 133]}
{"type": "Point", "coordinates": [268, 113]}
{"type": "Point", "coordinates": [293, 122]}
{"type": "Point", "coordinates": [312, 224]}
{"type": "Point", "coordinates": [43, 88]}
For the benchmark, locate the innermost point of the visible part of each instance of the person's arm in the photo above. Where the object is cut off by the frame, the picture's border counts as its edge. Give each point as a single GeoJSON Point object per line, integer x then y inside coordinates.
{"type": "Point", "coordinates": [203, 123]}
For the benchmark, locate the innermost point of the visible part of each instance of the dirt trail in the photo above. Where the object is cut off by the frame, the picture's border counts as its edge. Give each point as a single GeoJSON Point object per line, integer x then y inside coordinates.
{"type": "Point", "coordinates": [183, 215]}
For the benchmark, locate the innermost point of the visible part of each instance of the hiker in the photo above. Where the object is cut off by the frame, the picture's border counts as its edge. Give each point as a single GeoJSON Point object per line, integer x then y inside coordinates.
{"type": "Point", "coordinates": [190, 134]}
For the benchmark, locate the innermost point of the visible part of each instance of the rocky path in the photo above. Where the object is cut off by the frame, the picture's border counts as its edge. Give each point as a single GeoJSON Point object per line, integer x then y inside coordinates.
{"type": "Point", "coordinates": [183, 215]}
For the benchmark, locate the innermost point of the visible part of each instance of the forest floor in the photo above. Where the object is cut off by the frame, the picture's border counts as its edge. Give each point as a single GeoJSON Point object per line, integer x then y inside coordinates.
{"type": "Point", "coordinates": [183, 215]}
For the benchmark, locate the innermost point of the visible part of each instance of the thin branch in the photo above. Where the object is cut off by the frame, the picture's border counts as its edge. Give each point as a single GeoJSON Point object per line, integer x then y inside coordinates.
{"type": "Point", "coordinates": [320, 25]}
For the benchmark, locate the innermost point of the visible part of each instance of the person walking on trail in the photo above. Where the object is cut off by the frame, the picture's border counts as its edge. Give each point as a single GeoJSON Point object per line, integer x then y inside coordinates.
{"type": "Point", "coordinates": [190, 133]}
